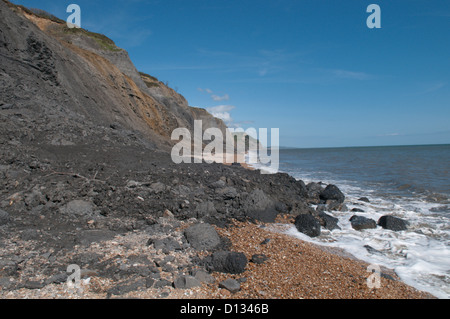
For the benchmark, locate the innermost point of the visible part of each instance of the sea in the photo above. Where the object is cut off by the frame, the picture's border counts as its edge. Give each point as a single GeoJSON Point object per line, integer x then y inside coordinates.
{"type": "Point", "coordinates": [410, 182]}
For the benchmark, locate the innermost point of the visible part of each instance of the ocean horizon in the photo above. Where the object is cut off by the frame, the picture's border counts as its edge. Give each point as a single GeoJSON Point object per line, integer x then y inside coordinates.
{"type": "Point", "coordinates": [360, 146]}
{"type": "Point", "coordinates": [411, 182]}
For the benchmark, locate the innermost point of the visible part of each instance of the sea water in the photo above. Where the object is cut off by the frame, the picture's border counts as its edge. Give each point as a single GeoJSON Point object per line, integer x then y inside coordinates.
{"type": "Point", "coordinates": [410, 182]}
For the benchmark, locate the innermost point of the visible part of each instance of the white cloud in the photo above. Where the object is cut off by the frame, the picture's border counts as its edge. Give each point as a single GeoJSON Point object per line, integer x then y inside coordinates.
{"type": "Point", "coordinates": [222, 112]}
{"type": "Point", "coordinates": [220, 108]}
{"type": "Point", "coordinates": [217, 98]}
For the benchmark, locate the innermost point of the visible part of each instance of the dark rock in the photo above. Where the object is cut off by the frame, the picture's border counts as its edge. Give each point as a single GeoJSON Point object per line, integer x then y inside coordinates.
{"type": "Point", "coordinates": [259, 206]}
{"type": "Point", "coordinates": [357, 210]}
{"type": "Point", "coordinates": [227, 193]}
{"type": "Point", "coordinates": [386, 276]}
{"type": "Point", "coordinates": [219, 184]}
{"type": "Point", "coordinates": [281, 207]}
{"type": "Point", "coordinates": [231, 285]}
{"type": "Point", "coordinates": [364, 199]}
{"type": "Point", "coordinates": [202, 237]}
{"type": "Point", "coordinates": [164, 294]}
{"type": "Point", "coordinates": [186, 282]}
{"type": "Point", "coordinates": [372, 250]}
{"type": "Point", "coordinates": [301, 208]}
{"type": "Point", "coordinates": [57, 279]}
{"type": "Point", "coordinates": [313, 192]}
{"type": "Point", "coordinates": [308, 225]}
{"type": "Point", "coordinates": [328, 222]}
{"type": "Point", "coordinates": [360, 222]}
{"type": "Point", "coordinates": [334, 205]}
{"type": "Point", "coordinates": [203, 276]}
{"type": "Point", "coordinates": [332, 192]}
{"type": "Point", "coordinates": [393, 223]}
{"type": "Point", "coordinates": [205, 209]}
{"type": "Point", "coordinates": [228, 262]}
{"type": "Point", "coordinates": [162, 283]}
{"type": "Point", "coordinates": [149, 281]}
{"type": "Point", "coordinates": [265, 241]}
{"type": "Point", "coordinates": [259, 259]}
{"type": "Point", "coordinates": [6, 283]}
{"type": "Point", "coordinates": [34, 285]}
{"type": "Point", "coordinates": [78, 208]}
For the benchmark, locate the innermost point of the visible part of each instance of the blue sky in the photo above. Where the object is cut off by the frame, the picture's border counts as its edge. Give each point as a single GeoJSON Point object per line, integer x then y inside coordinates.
{"type": "Point", "coordinates": [313, 69]}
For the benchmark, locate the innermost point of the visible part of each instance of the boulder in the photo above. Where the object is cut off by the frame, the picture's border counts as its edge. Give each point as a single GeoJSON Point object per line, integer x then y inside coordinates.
{"type": "Point", "coordinates": [360, 222]}
{"type": "Point", "coordinates": [332, 192]}
{"type": "Point", "coordinates": [301, 208]}
{"type": "Point", "coordinates": [203, 276]}
{"type": "Point", "coordinates": [364, 199]}
{"type": "Point", "coordinates": [308, 225]}
{"type": "Point", "coordinates": [313, 192]}
{"type": "Point", "coordinates": [78, 208]}
{"type": "Point", "coordinates": [219, 184]}
{"type": "Point", "coordinates": [392, 223]}
{"type": "Point", "coordinates": [205, 209]}
{"type": "Point", "coordinates": [327, 221]}
{"type": "Point", "coordinates": [372, 250]}
{"type": "Point", "coordinates": [334, 205]}
{"type": "Point", "coordinates": [202, 237]}
{"type": "Point", "coordinates": [186, 282]}
{"type": "Point", "coordinates": [259, 206]}
{"type": "Point", "coordinates": [228, 262]}
{"type": "Point", "coordinates": [231, 285]}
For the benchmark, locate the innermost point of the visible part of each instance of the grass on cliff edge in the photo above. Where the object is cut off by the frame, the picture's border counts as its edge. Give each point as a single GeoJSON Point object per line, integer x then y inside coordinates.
{"type": "Point", "coordinates": [102, 40]}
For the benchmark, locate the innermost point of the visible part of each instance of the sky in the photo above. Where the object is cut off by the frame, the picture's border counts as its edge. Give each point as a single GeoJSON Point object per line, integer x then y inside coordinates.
{"type": "Point", "coordinates": [312, 68]}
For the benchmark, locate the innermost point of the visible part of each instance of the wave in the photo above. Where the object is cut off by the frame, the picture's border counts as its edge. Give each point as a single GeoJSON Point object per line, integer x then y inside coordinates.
{"type": "Point", "coordinates": [419, 255]}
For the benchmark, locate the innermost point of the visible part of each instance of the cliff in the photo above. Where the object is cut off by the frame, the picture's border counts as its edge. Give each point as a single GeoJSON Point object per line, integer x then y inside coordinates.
{"type": "Point", "coordinates": [72, 78]}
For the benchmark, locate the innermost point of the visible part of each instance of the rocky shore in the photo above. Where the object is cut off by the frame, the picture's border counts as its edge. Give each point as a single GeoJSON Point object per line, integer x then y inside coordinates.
{"type": "Point", "coordinates": [138, 225]}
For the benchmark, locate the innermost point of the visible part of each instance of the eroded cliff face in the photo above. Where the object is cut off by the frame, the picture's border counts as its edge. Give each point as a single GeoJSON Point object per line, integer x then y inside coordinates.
{"type": "Point", "coordinates": [80, 84]}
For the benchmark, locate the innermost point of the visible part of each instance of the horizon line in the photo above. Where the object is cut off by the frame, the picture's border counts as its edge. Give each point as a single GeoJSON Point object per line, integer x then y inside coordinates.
{"type": "Point", "coordinates": [372, 146]}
